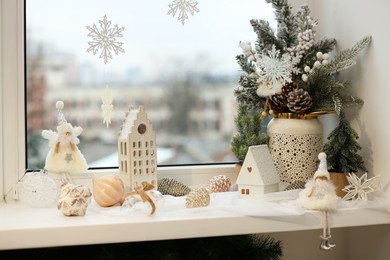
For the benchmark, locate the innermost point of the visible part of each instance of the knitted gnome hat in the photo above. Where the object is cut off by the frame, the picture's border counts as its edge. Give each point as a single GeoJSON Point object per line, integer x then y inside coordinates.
{"type": "Point", "coordinates": [64, 128]}
{"type": "Point", "coordinates": [322, 170]}
{"type": "Point", "coordinates": [60, 116]}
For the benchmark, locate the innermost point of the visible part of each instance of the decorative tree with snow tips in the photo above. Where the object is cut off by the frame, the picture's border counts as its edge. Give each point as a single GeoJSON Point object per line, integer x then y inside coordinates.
{"type": "Point", "coordinates": [342, 148]}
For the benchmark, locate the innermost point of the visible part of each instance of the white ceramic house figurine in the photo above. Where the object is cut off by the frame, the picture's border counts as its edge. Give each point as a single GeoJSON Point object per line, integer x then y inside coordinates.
{"type": "Point", "coordinates": [258, 174]}
{"type": "Point", "coordinates": [137, 150]}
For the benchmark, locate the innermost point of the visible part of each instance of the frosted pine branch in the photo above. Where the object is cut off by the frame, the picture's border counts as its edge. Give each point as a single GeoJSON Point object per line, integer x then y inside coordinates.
{"type": "Point", "coordinates": [265, 36]}
{"type": "Point", "coordinates": [347, 58]}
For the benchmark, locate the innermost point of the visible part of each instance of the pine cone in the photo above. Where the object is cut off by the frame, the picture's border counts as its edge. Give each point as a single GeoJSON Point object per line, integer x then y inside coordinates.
{"type": "Point", "coordinates": [278, 102]}
{"type": "Point", "coordinates": [220, 183]}
{"type": "Point", "coordinates": [198, 197]}
{"type": "Point", "coordinates": [296, 185]}
{"type": "Point", "coordinates": [169, 186]}
{"type": "Point", "coordinates": [299, 101]}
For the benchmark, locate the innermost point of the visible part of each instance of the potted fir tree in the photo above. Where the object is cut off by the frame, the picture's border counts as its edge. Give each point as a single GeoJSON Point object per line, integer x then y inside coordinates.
{"type": "Point", "coordinates": [342, 150]}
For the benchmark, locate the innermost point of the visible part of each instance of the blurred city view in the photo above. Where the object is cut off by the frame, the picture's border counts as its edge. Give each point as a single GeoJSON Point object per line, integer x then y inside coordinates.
{"type": "Point", "coordinates": [189, 99]}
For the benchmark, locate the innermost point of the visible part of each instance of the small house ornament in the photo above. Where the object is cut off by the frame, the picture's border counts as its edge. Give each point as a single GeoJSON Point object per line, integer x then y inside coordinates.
{"type": "Point", "coordinates": [258, 174]}
{"type": "Point", "coordinates": [137, 150]}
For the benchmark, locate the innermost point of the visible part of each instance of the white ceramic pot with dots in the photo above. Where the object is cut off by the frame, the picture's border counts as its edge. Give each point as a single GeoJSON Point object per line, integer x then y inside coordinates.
{"type": "Point", "coordinates": [294, 145]}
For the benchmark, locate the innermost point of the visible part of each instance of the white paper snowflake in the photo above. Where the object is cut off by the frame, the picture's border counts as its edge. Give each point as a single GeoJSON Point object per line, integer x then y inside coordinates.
{"type": "Point", "coordinates": [105, 39]}
{"type": "Point", "coordinates": [275, 71]}
{"type": "Point", "coordinates": [107, 106]}
{"type": "Point", "coordinates": [182, 7]}
{"type": "Point", "coordinates": [358, 188]}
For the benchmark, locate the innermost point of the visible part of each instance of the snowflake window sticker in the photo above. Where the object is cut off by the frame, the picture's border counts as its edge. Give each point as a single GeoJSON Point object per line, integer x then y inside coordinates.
{"type": "Point", "coordinates": [182, 7]}
{"type": "Point", "coordinates": [105, 41]}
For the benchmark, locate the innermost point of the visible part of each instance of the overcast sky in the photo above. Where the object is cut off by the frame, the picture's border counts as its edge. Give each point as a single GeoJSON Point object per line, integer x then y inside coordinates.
{"type": "Point", "coordinates": [151, 37]}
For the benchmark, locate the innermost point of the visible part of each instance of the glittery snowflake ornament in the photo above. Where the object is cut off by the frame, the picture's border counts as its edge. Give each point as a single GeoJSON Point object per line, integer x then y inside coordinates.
{"type": "Point", "coordinates": [276, 70]}
{"type": "Point", "coordinates": [105, 39]}
{"type": "Point", "coordinates": [358, 188]}
{"type": "Point", "coordinates": [107, 106]}
{"type": "Point", "coordinates": [182, 7]}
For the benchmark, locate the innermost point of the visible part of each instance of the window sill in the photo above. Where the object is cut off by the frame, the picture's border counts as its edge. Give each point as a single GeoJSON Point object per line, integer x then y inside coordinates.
{"type": "Point", "coordinates": [24, 227]}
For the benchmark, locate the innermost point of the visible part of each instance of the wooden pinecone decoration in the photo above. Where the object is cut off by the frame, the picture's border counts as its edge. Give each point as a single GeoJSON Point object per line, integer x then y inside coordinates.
{"type": "Point", "coordinates": [299, 101]}
{"type": "Point", "coordinates": [220, 183]}
{"type": "Point", "coordinates": [278, 102]}
{"type": "Point", "coordinates": [169, 186]}
{"type": "Point", "coordinates": [198, 197]}
{"type": "Point", "coordinates": [296, 185]}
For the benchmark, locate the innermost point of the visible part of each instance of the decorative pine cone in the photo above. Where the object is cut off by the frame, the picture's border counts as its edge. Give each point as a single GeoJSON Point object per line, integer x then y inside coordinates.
{"type": "Point", "coordinates": [296, 185]}
{"type": "Point", "coordinates": [169, 186]}
{"type": "Point", "coordinates": [299, 101]}
{"type": "Point", "coordinates": [278, 102]}
{"type": "Point", "coordinates": [220, 183]}
{"type": "Point", "coordinates": [198, 197]}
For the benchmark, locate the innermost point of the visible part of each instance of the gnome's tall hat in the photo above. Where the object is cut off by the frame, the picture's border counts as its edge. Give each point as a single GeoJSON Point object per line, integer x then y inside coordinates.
{"type": "Point", "coordinates": [60, 116]}
{"type": "Point", "coordinates": [322, 170]}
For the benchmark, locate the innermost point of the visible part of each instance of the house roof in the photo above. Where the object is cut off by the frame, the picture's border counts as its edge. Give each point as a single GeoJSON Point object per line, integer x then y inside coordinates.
{"type": "Point", "coordinates": [258, 167]}
{"type": "Point", "coordinates": [131, 117]}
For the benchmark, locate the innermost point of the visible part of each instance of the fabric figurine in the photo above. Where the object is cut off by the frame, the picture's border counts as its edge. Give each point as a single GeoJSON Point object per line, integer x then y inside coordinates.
{"type": "Point", "coordinates": [320, 194]}
{"type": "Point", "coordinates": [64, 156]}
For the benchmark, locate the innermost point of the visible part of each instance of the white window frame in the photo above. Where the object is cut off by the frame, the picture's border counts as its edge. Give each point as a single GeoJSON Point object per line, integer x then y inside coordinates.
{"type": "Point", "coordinates": [12, 117]}
{"type": "Point", "coordinates": [12, 94]}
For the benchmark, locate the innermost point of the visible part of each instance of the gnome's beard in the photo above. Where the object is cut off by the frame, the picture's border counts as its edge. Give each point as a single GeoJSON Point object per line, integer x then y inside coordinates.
{"type": "Point", "coordinates": [65, 141]}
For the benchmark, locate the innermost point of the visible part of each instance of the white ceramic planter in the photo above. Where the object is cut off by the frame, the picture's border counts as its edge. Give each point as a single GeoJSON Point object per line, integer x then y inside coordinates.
{"type": "Point", "coordinates": [294, 146]}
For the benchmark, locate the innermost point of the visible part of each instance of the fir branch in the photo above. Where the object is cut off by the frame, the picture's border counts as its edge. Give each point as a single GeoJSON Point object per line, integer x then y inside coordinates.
{"type": "Point", "coordinates": [245, 64]}
{"type": "Point", "coordinates": [248, 132]}
{"type": "Point", "coordinates": [338, 106]}
{"type": "Point", "coordinates": [286, 22]}
{"type": "Point", "coordinates": [302, 19]}
{"type": "Point", "coordinates": [324, 45]}
{"type": "Point", "coordinates": [265, 36]}
{"type": "Point", "coordinates": [347, 58]}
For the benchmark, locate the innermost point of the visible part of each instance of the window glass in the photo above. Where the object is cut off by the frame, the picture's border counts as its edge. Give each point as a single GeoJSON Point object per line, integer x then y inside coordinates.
{"type": "Point", "coordinates": [183, 73]}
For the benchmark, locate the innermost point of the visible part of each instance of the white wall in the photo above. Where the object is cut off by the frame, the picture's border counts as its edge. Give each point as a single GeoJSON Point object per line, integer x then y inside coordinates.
{"type": "Point", "coordinates": [348, 21]}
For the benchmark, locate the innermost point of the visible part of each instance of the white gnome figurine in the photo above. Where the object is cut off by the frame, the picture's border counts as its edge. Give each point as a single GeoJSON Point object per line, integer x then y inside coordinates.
{"type": "Point", "coordinates": [320, 194]}
{"type": "Point", "coordinates": [64, 156]}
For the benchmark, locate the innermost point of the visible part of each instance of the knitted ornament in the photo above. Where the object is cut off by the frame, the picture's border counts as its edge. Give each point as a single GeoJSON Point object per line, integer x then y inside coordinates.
{"type": "Point", "coordinates": [169, 186]}
{"type": "Point", "coordinates": [299, 101]}
{"type": "Point", "coordinates": [198, 197]}
{"type": "Point", "coordinates": [220, 183]}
